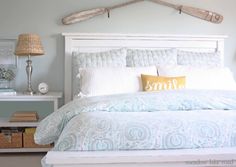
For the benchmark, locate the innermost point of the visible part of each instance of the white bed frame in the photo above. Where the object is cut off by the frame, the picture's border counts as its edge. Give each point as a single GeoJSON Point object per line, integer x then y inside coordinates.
{"type": "Point", "coordinates": [158, 158]}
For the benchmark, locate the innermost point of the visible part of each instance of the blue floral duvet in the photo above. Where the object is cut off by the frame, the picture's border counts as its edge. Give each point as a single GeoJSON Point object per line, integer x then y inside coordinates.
{"type": "Point", "coordinates": [143, 121]}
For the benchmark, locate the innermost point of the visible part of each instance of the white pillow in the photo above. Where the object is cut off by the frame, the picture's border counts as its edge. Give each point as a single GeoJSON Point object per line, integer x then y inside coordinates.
{"type": "Point", "coordinates": [199, 59]}
{"type": "Point", "coordinates": [106, 81]}
{"type": "Point", "coordinates": [201, 78]}
{"type": "Point", "coordinates": [110, 58]}
{"type": "Point", "coordinates": [150, 57]}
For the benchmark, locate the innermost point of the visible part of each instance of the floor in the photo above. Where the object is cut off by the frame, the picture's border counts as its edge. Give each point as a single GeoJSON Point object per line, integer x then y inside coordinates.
{"type": "Point", "coordinates": [21, 160]}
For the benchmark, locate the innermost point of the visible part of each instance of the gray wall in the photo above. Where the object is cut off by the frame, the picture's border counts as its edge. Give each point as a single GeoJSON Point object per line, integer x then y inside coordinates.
{"type": "Point", "coordinates": [43, 17]}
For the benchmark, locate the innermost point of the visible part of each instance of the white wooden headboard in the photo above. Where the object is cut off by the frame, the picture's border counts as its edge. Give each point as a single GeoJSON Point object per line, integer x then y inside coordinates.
{"type": "Point", "coordinates": [86, 42]}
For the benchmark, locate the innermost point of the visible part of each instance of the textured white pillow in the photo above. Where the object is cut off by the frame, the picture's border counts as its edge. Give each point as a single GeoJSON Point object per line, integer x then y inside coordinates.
{"type": "Point", "coordinates": [148, 57]}
{"type": "Point", "coordinates": [105, 81]}
{"type": "Point", "coordinates": [199, 59]}
{"type": "Point", "coordinates": [110, 58]}
{"type": "Point", "coordinates": [201, 78]}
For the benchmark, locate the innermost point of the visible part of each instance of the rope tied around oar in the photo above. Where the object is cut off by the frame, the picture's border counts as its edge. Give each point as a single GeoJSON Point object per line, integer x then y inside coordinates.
{"type": "Point", "coordinates": [108, 12]}
{"type": "Point", "coordinates": [180, 9]}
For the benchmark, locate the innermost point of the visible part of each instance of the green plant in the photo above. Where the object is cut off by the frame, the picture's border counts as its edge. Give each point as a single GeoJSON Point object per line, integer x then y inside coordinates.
{"type": "Point", "coordinates": [7, 74]}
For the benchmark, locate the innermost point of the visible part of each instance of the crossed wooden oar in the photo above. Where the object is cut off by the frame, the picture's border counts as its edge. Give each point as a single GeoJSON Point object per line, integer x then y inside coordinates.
{"type": "Point", "coordinates": [195, 12]}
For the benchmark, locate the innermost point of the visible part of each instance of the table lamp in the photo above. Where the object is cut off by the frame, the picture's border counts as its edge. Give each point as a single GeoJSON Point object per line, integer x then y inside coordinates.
{"type": "Point", "coordinates": [29, 45]}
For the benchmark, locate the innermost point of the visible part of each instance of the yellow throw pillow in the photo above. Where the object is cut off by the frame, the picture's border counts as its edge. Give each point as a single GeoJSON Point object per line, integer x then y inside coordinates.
{"type": "Point", "coordinates": [157, 83]}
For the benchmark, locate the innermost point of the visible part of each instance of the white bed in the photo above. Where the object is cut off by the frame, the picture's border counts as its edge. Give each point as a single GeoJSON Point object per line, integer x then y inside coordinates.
{"type": "Point", "coordinates": [101, 42]}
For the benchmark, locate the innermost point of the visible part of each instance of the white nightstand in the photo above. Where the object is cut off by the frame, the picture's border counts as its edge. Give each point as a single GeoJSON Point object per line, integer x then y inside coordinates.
{"type": "Point", "coordinates": [4, 122]}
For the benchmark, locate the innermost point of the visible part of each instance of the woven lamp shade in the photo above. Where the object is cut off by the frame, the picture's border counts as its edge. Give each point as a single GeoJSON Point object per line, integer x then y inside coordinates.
{"type": "Point", "coordinates": [29, 44]}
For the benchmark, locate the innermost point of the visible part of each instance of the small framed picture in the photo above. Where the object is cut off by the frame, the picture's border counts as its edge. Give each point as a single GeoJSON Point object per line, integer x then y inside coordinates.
{"type": "Point", "coordinates": [7, 56]}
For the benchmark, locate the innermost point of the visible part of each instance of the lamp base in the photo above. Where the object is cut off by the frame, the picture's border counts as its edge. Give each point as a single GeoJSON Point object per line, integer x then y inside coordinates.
{"type": "Point", "coordinates": [29, 70]}
{"type": "Point", "coordinates": [29, 92]}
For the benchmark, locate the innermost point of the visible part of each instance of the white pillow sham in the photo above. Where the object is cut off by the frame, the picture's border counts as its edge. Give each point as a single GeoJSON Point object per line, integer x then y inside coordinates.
{"type": "Point", "coordinates": [199, 59]}
{"type": "Point", "coordinates": [150, 57]}
{"type": "Point", "coordinates": [106, 81]}
{"type": "Point", "coordinates": [201, 78]}
{"type": "Point", "coordinates": [110, 58]}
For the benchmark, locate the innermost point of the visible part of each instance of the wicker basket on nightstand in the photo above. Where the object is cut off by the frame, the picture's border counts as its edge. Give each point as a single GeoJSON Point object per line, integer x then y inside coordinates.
{"type": "Point", "coordinates": [28, 142]}
{"type": "Point", "coordinates": [11, 141]}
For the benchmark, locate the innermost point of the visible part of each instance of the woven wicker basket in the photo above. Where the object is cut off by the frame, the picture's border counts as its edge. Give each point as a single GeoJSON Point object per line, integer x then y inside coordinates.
{"type": "Point", "coordinates": [28, 142]}
{"type": "Point", "coordinates": [12, 141]}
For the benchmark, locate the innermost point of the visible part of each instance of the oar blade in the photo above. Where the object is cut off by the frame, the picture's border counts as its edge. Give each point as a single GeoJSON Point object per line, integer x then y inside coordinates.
{"type": "Point", "coordinates": [83, 15]}
{"type": "Point", "coordinates": [212, 17]}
